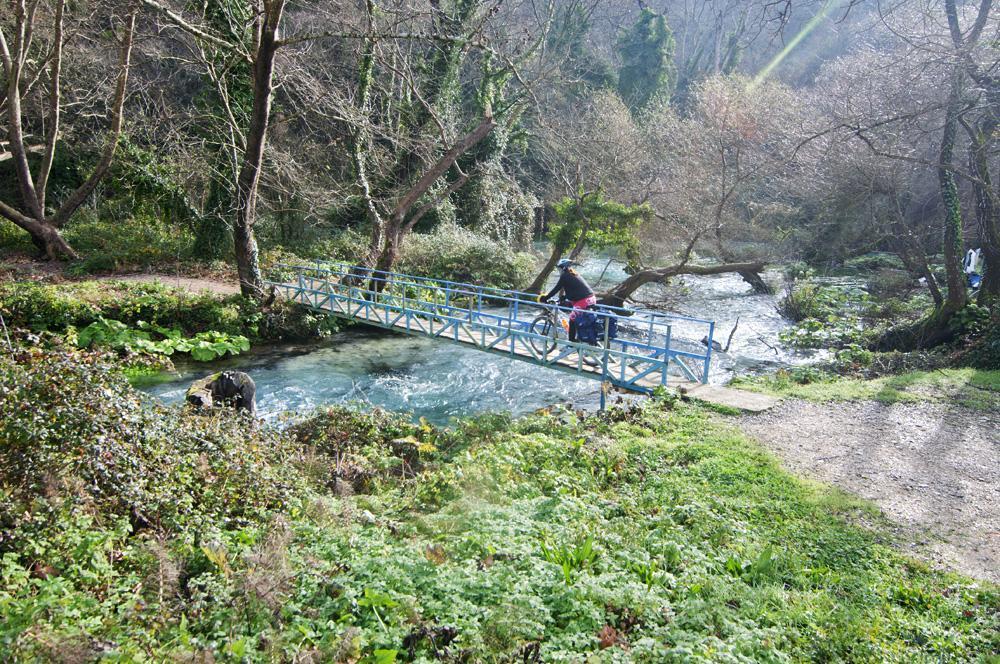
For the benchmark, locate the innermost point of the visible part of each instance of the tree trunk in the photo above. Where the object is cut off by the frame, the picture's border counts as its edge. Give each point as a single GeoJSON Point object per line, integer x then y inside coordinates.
{"type": "Point", "coordinates": [750, 276]}
{"type": "Point", "coordinates": [955, 280]}
{"type": "Point", "coordinates": [927, 333]}
{"type": "Point", "coordinates": [983, 138]}
{"type": "Point", "coordinates": [83, 192]}
{"type": "Point", "coordinates": [44, 235]}
{"type": "Point", "coordinates": [581, 242]}
{"type": "Point", "coordinates": [617, 296]}
{"type": "Point", "coordinates": [399, 225]}
{"type": "Point", "coordinates": [361, 140]}
{"type": "Point", "coordinates": [558, 250]}
{"type": "Point", "coordinates": [987, 207]}
{"type": "Point", "coordinates": [989, 290]}
{"type": "Point", "coordinates": [44, 229]}
{"type": "Point", "coordinates": [388, 257]}
{"type": "Point", "coordinates": [539, 283]}
{"type": "Point", "coordinates": [757, 282]}
{"type": "Point", "coordinates": [935, 330]}
{"type": "Point", "coordinates": [914, 259]}
{"type": "Point", "coordinates": [247, 263]}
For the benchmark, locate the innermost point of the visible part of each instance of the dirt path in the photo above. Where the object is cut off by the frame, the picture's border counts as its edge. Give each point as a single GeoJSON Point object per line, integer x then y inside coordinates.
{"type": "Point", "coordinates": [190, 284]}
{"type": "Point", "coordinates": [933, 469]}
{"type": "Point", "coordinates": [22, 266]}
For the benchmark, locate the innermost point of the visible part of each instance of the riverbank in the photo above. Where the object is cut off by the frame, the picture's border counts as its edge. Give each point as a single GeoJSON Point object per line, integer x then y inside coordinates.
{"type": "Point", "coordinates": [648, 534]}
{"type": "Point", "coordinates": [931, 467]}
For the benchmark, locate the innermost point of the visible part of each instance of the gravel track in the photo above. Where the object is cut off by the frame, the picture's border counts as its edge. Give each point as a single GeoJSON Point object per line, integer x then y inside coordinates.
{"type": "Point", "coordinates": [933, 469]}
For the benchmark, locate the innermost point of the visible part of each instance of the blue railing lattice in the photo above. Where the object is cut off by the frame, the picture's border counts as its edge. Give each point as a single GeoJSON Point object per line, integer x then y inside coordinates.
{"type": "Point", "coordinates": [500, 321]}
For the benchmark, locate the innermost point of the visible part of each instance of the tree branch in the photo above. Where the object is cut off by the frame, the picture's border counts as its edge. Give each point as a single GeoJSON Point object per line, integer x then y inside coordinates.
{"type": "Point", "coordinates": [192, 30]}
{"type": "Point", "coordinates": [13, 215]}
{"type": "Point", "coordinates": [618, 295]}
{"type": "Point", "coordinates": [965, 44]}
{"type": "Point", "coordinates": [55, 101]}
{"type": "Point", "coordinates": [443, 164]}
{"type": "Point", "coordinates": [76, 199]}
{"type": "Point", "coordinates": [452, 188]}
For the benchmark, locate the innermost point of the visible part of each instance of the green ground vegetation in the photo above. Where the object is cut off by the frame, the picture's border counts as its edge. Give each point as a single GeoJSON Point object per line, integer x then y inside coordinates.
{"type": "Point", "coordinates": [842, 315]}
{"type": "Point", "coordinates": [148, 244]}
{"type": "Point", "coordinates": [857, 320]}
{"type": "Point", "coordinates": [134, 532]}
{"type": "Point", "coordinates": [153, 317]}
{"type": "Point", "coordinates": [118, 242]}
{"type": "Point", "coordinates": [978, 389]}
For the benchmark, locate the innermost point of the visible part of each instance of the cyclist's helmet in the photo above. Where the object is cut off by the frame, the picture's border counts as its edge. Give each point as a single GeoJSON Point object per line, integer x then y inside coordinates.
{"type": "Point", "coordinates": [565, 263]}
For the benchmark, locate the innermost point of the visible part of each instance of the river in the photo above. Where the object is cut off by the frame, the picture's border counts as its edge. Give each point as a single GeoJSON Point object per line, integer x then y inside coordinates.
{"type": "Point", "coordinates": [440, 380]}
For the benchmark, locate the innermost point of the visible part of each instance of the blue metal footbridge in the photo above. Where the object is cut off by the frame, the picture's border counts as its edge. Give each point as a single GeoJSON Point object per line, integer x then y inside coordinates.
{"type": "Point", "coordinates": [642, 357]}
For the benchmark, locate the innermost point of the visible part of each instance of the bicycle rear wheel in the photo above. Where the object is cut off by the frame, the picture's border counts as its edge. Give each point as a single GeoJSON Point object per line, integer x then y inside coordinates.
{"type": "Point", "coordinates": [543, 327]}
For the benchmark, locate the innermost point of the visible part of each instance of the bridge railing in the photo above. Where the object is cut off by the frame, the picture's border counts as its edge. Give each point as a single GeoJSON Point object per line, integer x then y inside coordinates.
{"type": "Point", "coordinates": [643, 335]}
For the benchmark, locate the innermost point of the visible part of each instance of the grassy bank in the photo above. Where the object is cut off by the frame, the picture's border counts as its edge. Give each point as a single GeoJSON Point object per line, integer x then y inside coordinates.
{"type": "Point", "coordinates": [53, 308]}
{"type": "Point", "coordinates": [145, 324]}
{"type": "Point", "coordinates": [654, 534]}
{"type": "Point", "coordinates": [152, 245]}
{"type": "Point", "coordinates": [972, 388]}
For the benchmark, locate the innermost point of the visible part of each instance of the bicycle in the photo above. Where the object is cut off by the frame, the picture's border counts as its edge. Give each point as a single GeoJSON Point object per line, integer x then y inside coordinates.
{"type": "Point", "coordinates": [551, 326]}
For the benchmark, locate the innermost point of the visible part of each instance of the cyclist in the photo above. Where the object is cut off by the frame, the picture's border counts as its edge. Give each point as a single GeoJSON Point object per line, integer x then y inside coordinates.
{"type": "Point", "coordinates": [574, 289]}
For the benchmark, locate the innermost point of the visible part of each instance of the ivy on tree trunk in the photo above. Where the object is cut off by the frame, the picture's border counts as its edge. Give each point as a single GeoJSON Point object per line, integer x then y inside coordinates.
{"type": "Point", "coordinates": [266, 42]}
{"type": "Point", "coordinates": [952, 240]}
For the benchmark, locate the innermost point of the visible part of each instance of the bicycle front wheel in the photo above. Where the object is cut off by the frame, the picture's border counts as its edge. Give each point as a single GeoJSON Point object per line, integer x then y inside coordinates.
{"type": "Point", "coordinates": [546, 339]}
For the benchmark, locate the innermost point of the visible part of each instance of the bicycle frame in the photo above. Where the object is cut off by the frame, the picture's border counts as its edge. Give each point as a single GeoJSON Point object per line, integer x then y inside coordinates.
{"type": "Point", "coordinates": [554, 311]}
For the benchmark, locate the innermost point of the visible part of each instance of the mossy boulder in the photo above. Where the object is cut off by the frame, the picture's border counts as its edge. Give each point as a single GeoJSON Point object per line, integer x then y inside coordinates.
{"type": "Point", "coordinates": [226, 388]}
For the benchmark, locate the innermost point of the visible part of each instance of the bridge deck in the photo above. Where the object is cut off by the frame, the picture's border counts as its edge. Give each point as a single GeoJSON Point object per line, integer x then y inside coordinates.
{"type": "Point", "coordinates": [640, 359]}
{"type": "Point", "coordinates": [489, 342]}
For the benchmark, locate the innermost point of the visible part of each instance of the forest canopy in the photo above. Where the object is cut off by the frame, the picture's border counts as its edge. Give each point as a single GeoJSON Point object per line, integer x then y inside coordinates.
{"type": "Point", "coordinates": [751, 132]}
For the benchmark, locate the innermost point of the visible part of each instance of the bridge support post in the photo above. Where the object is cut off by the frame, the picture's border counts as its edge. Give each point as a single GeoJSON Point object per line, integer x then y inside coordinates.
{"type": "Point", "coordinates": [667, 355]}
{"type": "Point", "coordinates": [708, 352]}
{"type": "Point", "coordinates": [605, 383]}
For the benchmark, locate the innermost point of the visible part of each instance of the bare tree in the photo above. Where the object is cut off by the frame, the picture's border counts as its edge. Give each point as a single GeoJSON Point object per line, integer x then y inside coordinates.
{"type": "Point", "coordinates": [267, 21]}
{"type": "Point", "coordinates": [414, 142]}
{"type": "Point", "coordinates": [26, 61]}
{"type": "Point", "coordinates": [715, 166]}
{"type": "Point", "coordinates": [259, 47]}
{"type": "Point", "coordinates": [870, 183]}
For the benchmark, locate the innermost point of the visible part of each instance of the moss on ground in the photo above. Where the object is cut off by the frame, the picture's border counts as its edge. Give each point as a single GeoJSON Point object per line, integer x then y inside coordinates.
{"type": "Point", "coordinates": [650, 534]}
{"type": "Point", "coordinates": [972, 388]}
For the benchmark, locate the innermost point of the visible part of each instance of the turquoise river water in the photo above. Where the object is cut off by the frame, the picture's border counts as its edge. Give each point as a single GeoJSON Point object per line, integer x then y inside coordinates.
{"type": "Point", "coordinates": [440, 380]}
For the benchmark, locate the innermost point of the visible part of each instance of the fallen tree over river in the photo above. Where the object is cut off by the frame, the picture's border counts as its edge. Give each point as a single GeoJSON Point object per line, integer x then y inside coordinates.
{"type": "Point", "coordinates": [617, 296]}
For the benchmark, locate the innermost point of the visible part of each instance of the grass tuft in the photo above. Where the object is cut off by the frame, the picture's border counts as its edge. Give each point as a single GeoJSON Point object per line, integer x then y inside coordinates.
{"type": "Point", "coordinates": [977, 389]}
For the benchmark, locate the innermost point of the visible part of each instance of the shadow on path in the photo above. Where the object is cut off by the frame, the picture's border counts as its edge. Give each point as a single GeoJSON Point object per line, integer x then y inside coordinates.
{"type": "Point", "coordinates": [933, 469]}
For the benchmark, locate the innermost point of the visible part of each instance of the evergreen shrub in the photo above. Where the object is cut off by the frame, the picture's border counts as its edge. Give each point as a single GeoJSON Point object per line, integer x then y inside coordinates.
{"type": "Point", "coordinates": [456, 254]}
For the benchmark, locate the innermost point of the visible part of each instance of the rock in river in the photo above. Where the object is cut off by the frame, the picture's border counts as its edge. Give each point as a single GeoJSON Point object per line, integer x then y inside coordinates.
{"type": "Point", "coordinates": [228, 388]}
